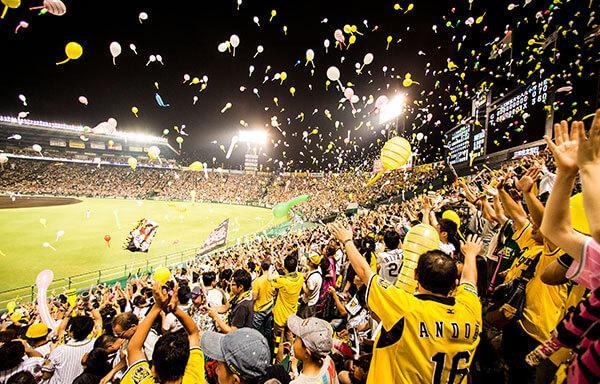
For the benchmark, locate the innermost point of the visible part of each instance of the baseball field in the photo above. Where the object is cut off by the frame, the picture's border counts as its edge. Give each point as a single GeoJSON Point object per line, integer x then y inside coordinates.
{"type": "Point", "coordinates": [69, 236]}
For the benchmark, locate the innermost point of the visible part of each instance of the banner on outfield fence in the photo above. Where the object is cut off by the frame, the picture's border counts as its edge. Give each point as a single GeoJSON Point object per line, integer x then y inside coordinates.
{"type": "Point", "coordinates": [217, 238]}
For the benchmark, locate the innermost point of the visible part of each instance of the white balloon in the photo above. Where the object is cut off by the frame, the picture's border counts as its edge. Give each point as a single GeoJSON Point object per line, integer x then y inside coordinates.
{"type": "Point", "coordinates": [153, 152]}
{"type": "Point", "coordinates": [115, 49]}
{"type": "Point", "coordinates": [368, 59]}
{"type": "Point", "coordinates": [310, 54]}
{"type": "Point", "coordinates": [37, 147]}
{"type": "Point", "coordinates": [152, 58]}
{"type": "Point", "coordinates": [260, 49]}
{"type": "Point", "coordinates": [255, 19]}
{"type": "Point", "coordinates": [348, 93]}
{"type": "Point", "coordinates": [143, 16]}
{"type": "Point", "coordinates": [333, 74]}
{"type": "Point", "coordinates": [326, 43]}
{"type": "Point", "coordinates": [3, 158]}
{"type": "Point", "coordinates": [83, 100]}
{"type": "Point", "coordinates": [186, 77]}
{"type": "Point", "coordinates": [354, 99]}
{"type": "Point", "coordinates": [222, 47]}
{"type": "Point", "coordinates": [112, 122]}
{"type": "Point", "coordinates": [205, 78]}
{"type": "Point", "coordinates": [133, 48]}
{"type": "Point", "coordinates": [419, 136]}
{"type": "Point", "coordinates": [234, 40]}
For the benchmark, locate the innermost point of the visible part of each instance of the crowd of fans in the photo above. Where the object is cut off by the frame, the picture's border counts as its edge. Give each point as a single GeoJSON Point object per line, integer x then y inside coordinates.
{"type": "Point", "coordinates": [509, 293]}
{"type": "Point", "coordinates": [330, 193]}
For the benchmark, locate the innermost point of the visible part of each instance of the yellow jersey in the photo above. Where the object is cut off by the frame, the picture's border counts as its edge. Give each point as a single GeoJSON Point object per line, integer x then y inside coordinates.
{"type": "Point", "coordinates": [261, 287]}
{"type": "Point", "coordinates": [140, 372]}
{"type": "Point", "coordinates": [424, 338]}
{"type": "Point", "coordinates": [286, 304]}
{"type": "Point", "coordinates": [544, 304]}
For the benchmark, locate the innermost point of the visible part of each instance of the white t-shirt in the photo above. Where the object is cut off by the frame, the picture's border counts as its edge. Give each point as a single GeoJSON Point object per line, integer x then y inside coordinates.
{"type": "Point", "coordinates": [214, 297]}
{"type": "Point", "coordinates": [327, 374]}
{"type": "Point", "coordinates": [31, 364]}
{"type": "Point", "coordinates": [448, 249]}
{"type": "Point", "coordinates": [313, 282]}
{"type": "Point", "coordinates": [390, 263]}
{"type": "Point", "coordinates": [171, 323]}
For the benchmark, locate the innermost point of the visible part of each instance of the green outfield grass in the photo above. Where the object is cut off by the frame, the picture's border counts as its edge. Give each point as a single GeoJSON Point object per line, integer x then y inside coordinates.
{"type": "Point", "coordinates": [83, 249]}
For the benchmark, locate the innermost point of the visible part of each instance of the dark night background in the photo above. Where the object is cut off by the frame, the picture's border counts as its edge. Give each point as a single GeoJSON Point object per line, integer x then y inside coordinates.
{"type": "Point", "coordinates": [186, 35]}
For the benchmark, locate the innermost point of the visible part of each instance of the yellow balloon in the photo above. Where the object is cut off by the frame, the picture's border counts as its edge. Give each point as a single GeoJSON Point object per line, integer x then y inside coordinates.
{"type": "Point", "coordinates": [43, 221]}
{"type": "Point", "coordinates": [283, 76]}
{"type": "Point", "coordinates": [389, 39]}
{"type": "Point", "coordinates": [352, 40]}
{"type": "Point", "coordinates": [347, 28]}
{"type": "Point", "coordinates": [196, 166]}
{"type": "Point", "coordinates": [132, 161]}
{"type": "Point", "coordinates": [395, 153]}
{"type": "Point", "coordinates": [74, 50]}
{"type": "Point", "coordinates": [578, 218]}
{"type": "Point", "coordinates": [162, 275]}
{"type": "Point", "coordinates": [407, 82]}
{"type": "Point", "coordinates": [10, 307]}
{"type": "Point", "coordinates": [135, 110]}
{"type": "Point", "coordinates": [293, 91]}
{"type": "Point", "coordinates": [9, 4]}
{"type": "Point", "coordinates": [452, 216]}
{"type": "Point", "coordinates": [110, 143]}
{"type": "Point", "coordinates": [420, 239]}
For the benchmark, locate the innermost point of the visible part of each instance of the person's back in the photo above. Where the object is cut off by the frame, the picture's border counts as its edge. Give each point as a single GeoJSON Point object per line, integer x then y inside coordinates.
{"type": "Point", "coordinates": [426, 337]}
{"type": "Point", "coordinates": [289, 287]}
{"type": "Point", "coordinates": [390, 264]}
{"type": "Point", "coordinates": [261, 287]}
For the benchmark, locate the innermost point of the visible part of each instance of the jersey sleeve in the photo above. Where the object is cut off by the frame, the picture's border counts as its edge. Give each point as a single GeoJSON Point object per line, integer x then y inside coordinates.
{"type": "Point", "coordinates": [389, 302]}
{"type": "Point", "coordinates": [277, 283]}
{"type": "Point", "coordinates": [523, 235]}
{"type": "Point", "coordinates": [466, 295]}
{"type": "Point", "coordinates": [138, 373]}
{"type": "Point", "coordinates": [194, 370]}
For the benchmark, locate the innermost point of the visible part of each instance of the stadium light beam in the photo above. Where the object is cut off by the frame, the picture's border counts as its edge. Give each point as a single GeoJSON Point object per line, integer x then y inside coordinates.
{"type": "Point", "coordinates": [392, 109]}
{"type": "Point", "coordinates": [257, 136]}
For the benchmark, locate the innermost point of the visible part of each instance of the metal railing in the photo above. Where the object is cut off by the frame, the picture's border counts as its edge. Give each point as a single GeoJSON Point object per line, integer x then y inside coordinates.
{"type": "Point", "coordinates": [85, 280]}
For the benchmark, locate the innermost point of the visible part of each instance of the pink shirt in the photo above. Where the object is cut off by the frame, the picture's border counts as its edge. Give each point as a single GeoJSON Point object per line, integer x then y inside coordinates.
{"type": "Point", "coordinates": [587, 271]}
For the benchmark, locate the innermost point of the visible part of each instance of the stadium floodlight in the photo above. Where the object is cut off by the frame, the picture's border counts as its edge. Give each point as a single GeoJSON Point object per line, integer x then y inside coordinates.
{"type": "Point", "coordinates": [392, 109]}
{"type": "Point", "coordinates": [257, 136]}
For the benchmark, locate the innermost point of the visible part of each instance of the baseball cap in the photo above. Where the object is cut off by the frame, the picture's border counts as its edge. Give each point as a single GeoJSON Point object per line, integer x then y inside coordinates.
{"type": "Point", "coordinates": [316, 334]}
{"type": "Point", "coordinates": [36, 330]}
{"type": "Point", "coordinates": [315, 258]}
{"type": "Point", "coordinates": [196, 291]}
{"type": "Point", "coordinates": [245, 351]}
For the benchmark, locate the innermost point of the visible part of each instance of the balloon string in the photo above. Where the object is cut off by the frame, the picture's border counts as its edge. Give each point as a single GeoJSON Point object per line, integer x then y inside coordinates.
{"type": "Point", "coordinates": [64, 61]}
{"type": "Point", "coordinates": [376, 177]}
{"type": "Point", "coordinates": [34, 8]}
{"type": "Point", "coordinates": [4, 12]}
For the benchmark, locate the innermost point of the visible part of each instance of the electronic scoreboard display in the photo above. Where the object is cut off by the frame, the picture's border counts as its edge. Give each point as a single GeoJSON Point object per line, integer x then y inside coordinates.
{"type": "Point", "coordinates": [518, 118]}
{"type": "Point", "coordinates": [511, 121]}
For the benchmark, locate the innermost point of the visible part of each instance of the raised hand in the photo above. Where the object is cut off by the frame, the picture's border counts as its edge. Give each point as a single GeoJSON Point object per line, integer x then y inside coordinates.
{"type": "Point", "coordinates": [472, 246]}
{"type": "Point", "coordinates": [564, 147]}
{"type": "Point", "coordinates": [589, 148]}
{"type": "Point", "coordinates": [526, 182]}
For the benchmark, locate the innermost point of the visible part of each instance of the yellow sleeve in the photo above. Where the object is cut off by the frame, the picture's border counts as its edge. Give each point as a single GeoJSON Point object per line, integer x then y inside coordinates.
{"type": "Point", "coordinates": [138, 373]}
{"type": "Point", "coordinates": [194, 370]}
{"type": "Point", "coordinates": [276, 283]}
{"type": "Point", "coordinates": [466, 294]}
{"type": "Point", "coordinates": [390, 303]}
{"type": "Point", "coordinates": [523, 236]}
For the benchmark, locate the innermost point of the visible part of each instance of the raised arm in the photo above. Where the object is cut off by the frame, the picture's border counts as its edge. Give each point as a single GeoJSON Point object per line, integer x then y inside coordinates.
{"type": "Point", "coordinates": [359, 263]}
{"type": "Point", "coordinates": [588, 159]}
{"type": "Point", "coordinates": [135, 350]}
{"type": "Point", "coordinates": [188, 324]}
{"type": "Point", "coordinates": [470, 249]}
{"type": "Point", "coordinates": [556, 225]}
{"type": "Point", "coordinates": [525, 185]}
{"type": "Point", "coordinates": [513, 209]}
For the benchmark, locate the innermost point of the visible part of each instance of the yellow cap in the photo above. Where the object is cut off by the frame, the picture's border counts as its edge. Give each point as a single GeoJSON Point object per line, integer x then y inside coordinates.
{"type": "Point", "coordinates": [315, 258]}
{"type": "Point", "coordinates": [36, 330]}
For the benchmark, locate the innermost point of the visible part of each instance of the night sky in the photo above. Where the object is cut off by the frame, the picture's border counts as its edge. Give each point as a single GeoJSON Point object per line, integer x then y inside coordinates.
{"type": "Point", "coordinates": [186, 34]}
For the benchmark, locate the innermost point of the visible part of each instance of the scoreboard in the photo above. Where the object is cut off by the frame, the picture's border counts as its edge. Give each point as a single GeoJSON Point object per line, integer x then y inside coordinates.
{"type": "Point", "coordinates": [511, 121]}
